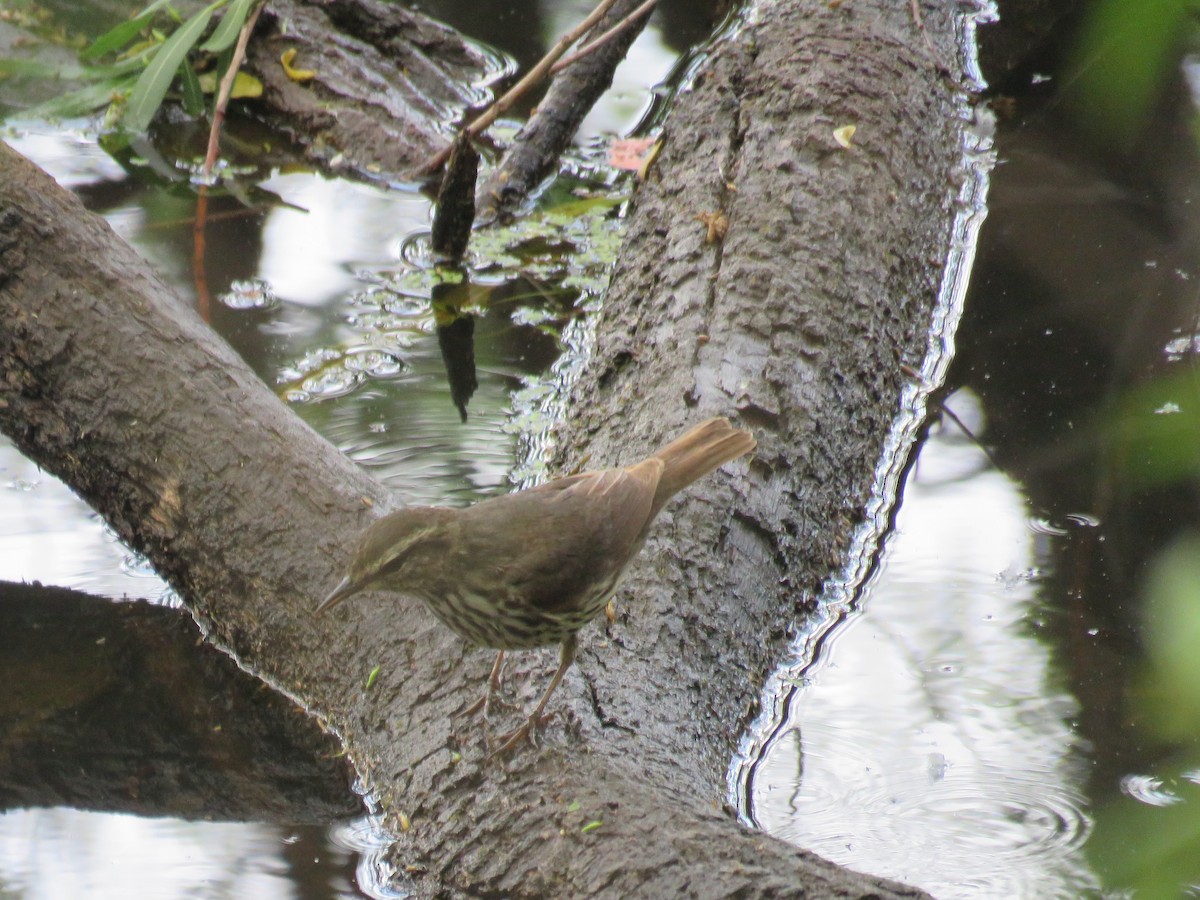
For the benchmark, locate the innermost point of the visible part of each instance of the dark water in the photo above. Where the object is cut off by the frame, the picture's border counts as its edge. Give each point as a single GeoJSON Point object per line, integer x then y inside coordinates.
{"type": "Point", "coordinates": [1004, 708]}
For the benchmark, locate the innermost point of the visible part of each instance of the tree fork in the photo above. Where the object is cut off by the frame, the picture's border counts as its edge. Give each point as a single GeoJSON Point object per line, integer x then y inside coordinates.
{"type": "Point", "coordinates": [801, 317]}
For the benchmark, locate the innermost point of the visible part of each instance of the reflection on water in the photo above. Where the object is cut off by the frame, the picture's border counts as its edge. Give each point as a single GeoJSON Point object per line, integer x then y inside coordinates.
{"type": "Point", "coordinates": [374, 873]}
{"type": "Point", "coordinates": [315, 243]}
{"type": "Point", "coordinates": [967, 729]}
{"type": "Point", "coordinates": [56, 853]}
{"type": "Point", "coordinates": [48, 534]}
{"type": "Point", "coordinates": [933, 742]}
{"type": "Point", "coordinates": [312, 288]}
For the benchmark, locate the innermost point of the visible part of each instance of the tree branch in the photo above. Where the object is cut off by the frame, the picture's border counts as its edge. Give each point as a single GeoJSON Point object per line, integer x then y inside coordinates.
{"type": "Point", "coordinates": [797, 323]}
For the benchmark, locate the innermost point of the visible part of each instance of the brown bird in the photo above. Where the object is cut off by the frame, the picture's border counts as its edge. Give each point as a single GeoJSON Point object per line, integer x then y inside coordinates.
{"type": "Point", "coordinates": [531, 568]}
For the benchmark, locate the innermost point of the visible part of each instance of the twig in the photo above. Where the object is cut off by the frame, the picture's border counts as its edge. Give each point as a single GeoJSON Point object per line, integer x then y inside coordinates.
{"type": "Point", "coordinates": [220, 104]}
{"type": "Point", "coordinates": [536, 74]}
{"type": "Point", "coordinates": [938, 399]}
{"type": "Point", "coordinates": [199, 275]}
{"type": "Point", "coordinates": [533, 153]}
{"type": "Point", "coordinates": [225, 89]}
{"type": "Point", "coordinates": [915, 8]}
{"type": "Point", "coordinates": [971, 436]}
{"type": "Point", "coordinates": [599, 42]}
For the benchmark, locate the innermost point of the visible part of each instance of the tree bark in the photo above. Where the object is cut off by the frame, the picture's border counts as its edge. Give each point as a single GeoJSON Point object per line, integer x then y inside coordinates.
{"type": "Point", "coordinates": [535, 150]}
{"type": "Point", "coordinates": [388, 82]}
{"type": "Point", "coordinates": [796, 322]}
{"type": "Point", "coordinates": [386, 85]}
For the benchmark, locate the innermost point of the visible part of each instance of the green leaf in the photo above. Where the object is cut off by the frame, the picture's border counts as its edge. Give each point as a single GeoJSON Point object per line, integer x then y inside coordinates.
{"type": "Point", "coordinates": [244, 85]}
{"type": "Point", "coordinates": [193, 95]}
{"type": "Point", "coordinates": [130, 64]}
{"type": "Point", "coordinates": [32, 68]}
{"type": "Point", "coordinates": [230, 25]}
{"type": "Point", "coordinates": [150, 89]}
{"type": "Point", "coordinates": [575, 208]}
{"type": "Point", "coordinates": [82, 102]}
{"type": "Point", "coordinates": [590, 826]}
{"type": "Point", "coordinates": [371, 678]}
{"type": "Point", "coordinates": [118, 37]}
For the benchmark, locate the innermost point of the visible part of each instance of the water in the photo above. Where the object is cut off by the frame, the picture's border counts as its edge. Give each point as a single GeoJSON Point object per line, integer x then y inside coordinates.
{"type": "Point", "coordinates": [931, 740]}
{"type": "Point", "coordinates": [54, 853]}
{"type": "Point", "coordinates": [995, 707]}
{"type": "Point", "coordinates": [321, 286]}
{"type": "Point", "coordinates": [48, 534]}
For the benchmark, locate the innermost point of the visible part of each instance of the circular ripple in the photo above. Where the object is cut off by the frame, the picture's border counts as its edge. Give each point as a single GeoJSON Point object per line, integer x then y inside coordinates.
{"type": "Point", "coordinates": [1149, 790]}
{"type": "Point", "coordinates": [957, 828]}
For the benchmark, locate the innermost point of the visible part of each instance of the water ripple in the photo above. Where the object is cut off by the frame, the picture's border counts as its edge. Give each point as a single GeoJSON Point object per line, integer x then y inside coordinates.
{"type": "Point", "coordinates": [251, 293]}
{"type": "Point", "coordinates": [1149, 790]}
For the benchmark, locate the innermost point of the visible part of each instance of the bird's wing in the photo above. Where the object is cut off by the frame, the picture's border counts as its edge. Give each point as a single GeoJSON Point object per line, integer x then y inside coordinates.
{"type": "Point", "coordinates": [565, 536]}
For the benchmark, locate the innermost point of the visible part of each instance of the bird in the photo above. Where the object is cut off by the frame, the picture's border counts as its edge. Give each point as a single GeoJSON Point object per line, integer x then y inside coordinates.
{"type": "Point", "coordinates": [530, 568]}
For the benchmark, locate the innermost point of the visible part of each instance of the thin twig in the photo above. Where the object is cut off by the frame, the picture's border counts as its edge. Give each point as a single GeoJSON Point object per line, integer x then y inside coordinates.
{"type": "Point", "coordinates": [938, 399]}
{"type": "Point", "coordinates": [914, 7]}
{"type": "Point", "coordinates": [593, 46]}
{"type": "Point", "coordinates": [220, 104]}
{"type": "Point", "coordinates": [199, 275]}
{"type": "Point", "coordinates": [535, 75]}
{"type": "Point", "coordinates": [971, 436]}
{"type": "Point", "coordinates": [225, 89]}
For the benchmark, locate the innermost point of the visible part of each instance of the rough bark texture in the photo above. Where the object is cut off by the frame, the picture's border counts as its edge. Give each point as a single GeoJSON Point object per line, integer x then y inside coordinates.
{"type": "Point", "coordinates": [799, 319]}
{"type": "Point", "coordinates": [389, 82]}
{"type": "Point", "coordinates": [537, 147]}
{"type": "Point", "coordinates": [796, 323]}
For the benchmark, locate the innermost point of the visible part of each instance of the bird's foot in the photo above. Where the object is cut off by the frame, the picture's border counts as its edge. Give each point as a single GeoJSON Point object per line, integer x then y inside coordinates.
{"type": "Point", "coordinates": [526, 730]}
{"type": "Point", "coordinates": [495, 681]}
{"type": "Point", "coordinates": [484, 704]}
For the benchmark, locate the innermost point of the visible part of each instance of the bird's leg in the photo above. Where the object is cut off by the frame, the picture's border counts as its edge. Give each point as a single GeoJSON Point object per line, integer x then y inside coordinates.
{"type": "Point", "coordinates": [566, 656]}
{"type": "Point", "coordinates": [485, 702]}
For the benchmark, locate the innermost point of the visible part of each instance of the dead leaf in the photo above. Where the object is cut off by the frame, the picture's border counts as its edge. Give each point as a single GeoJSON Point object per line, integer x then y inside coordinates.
{"type": "Point", "coordinates": [718, 226]}
{"type": "Point", "coordinates": [295, 74]}
{"type": "Point", "coordinates": [629, 153]}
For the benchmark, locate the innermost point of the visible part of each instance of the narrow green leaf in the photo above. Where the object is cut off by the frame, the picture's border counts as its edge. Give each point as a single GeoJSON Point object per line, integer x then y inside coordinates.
{"type": "Point", "coordinates": [31, 68]}
{"type": "Point", "coordinates": [590, 826]}
{"type": "Point", "coordinates": [116, 38]}
{"type": "Point", "coordinates": [132, 64]}
{"type": "Point", "coordinates": [228, 28]}
{"type": "Point", "coordinates": [73, 104]}
{"type": "Point", "coordinates": [371, 678]}
{"type": "Point", "coordinates": [193, 95]}
{"type": "Point", "coordinates": [150, 89]}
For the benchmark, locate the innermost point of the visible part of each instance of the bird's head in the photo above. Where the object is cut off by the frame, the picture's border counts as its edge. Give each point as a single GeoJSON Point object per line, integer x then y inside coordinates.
{"type": "Point", "coordinates": [389, 550]}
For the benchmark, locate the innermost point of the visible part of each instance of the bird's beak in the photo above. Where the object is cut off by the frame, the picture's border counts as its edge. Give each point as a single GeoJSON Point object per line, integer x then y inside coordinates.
{"type": "Point", "coordinates": [345, 589]}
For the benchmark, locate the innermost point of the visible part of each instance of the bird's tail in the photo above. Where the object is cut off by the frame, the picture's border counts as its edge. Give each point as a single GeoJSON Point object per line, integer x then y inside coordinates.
{"type": "Point", "coordinates": [697, 452]}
